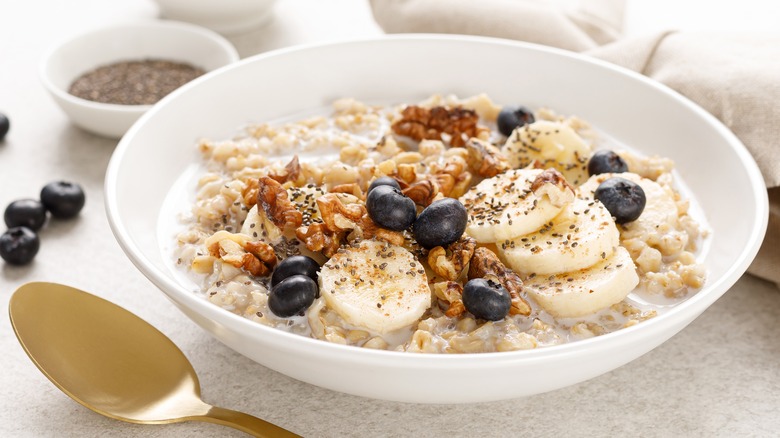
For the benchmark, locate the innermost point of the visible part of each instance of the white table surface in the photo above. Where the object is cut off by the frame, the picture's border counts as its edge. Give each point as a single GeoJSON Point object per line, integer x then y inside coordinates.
{"type": "Point", "coordinates": [719, 377]}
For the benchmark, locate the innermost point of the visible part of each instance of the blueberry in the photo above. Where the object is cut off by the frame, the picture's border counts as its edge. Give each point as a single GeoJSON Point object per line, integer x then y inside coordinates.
{"type": "Point", "coordinates": [292, 296]}
{"type": "Point", "coordinates": [606, 161]}
{"type": "Point", "coordinates": [390, 208]}
{"type": "Point", "coordinates": [486, 299]}
{"type": "Point", "coordinates": [624, 199]}
{"type": "Point", "coordinates": [25, 213]}
{"type": "Point", "coordinates": [512, 117]}
{"type": "Point", "coordinates": [19, 245]}
{"type": "Point", "coordinates": [295, 265]}
{"type": "Point", "coordinates": [384, 181]}
{"type": "Point", "coordinates": [5, 125]}
{"type": "Point", "coordinates": [63, 199]}
{"type": "Point", "coordinates": [441, 223]}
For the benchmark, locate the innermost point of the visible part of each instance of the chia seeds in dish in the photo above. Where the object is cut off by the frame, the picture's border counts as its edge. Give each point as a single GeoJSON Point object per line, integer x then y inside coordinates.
{"type": "Point", "coordinates": [142, 82]}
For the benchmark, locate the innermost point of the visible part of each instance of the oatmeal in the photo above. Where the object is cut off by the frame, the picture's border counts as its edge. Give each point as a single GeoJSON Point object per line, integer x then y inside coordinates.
{"type": "Point", "coordinates": [444, 226]}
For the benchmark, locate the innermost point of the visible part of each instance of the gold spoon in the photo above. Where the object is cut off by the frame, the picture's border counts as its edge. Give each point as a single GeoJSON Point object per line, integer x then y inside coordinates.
{"type": "Point", "coordinates": [113, 362]}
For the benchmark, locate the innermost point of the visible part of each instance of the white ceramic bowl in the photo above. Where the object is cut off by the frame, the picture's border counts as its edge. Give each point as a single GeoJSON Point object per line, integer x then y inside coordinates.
{"type": "Point", "coordinates": [633, 109]}
{"type": "Point", "coordinates": [167, 40]}
{"type": "Point", "coordinates": [223, 16]}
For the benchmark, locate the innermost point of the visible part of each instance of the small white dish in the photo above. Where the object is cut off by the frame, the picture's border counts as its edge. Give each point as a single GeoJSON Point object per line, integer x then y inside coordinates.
{"type": "Point", "coordinates": [631, 108]}
{"type": "Point", "coordinates": [167, 40]}
{"type": "Point", "coordinates": [227, 17]}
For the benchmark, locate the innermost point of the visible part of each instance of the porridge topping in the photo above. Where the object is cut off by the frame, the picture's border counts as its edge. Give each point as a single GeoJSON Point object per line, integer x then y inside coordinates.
{"type": "Point", "coordinates": [624, 199]}
{"type": "Point", "coordinates": [505, 206]}
{"type": "Point", "coordinates": [512, 117]}
{"type": "Point", "coordinates": [606, 161]}
{"type": "Point", "coordinates": [449, 226]}
{"type": "Point", "coordinates": [376, 285]}
{"type": "Point", "coordinates": [451, 262]}
{"type": "Point", "coordinates": [459, 124]}
{"type": "Point", "coordinates": [486, 299]}
{"type": "Point", "coordinates": [441, 223]}
{"type": "Point", "coordinates": [485, 264]}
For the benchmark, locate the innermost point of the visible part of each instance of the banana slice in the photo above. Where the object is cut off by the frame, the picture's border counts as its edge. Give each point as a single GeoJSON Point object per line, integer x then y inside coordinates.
{"type": "Point", "coordinates": [582, 235]}
{"type": "Point", "coordinates": [585, 291]}
{"type": "Point", "coordinates": [657, 225]}
{"type": "Point", "coordinates": [376, 285]}
{"type": "Point", "coordinates": [514, 203]}
{"type": "Point", "coordinates": [553, 144]}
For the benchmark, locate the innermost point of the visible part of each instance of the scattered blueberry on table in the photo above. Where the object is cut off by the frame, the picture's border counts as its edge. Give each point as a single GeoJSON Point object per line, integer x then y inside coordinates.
{"type": "Point", "coordinates": [390, 208]}
{"type": "Point", "coordinates": [486, 299]}
{"type": "Point", "coordinates": [606, 161]}
{"type": "Point", "coordinates": [625, 200]}
{"type": "Point", "coordinates": [28, 213]}
{"type": "Point", "coordinates": [292, 296]}
{"type": "Point", "coordinates": [19, 245]}
{"type": "Point", "coordinates": [441, 223]}
{"type": "Point", "coordinates": [63, 199]}
{"type": "Point", "coordinates": [512, 117]}
{"type": "Point", "coordinates": [5, 126]}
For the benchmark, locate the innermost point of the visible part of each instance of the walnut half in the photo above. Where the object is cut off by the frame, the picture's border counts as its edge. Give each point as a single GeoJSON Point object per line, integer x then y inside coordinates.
{"type": "Point", "coordinates": [317, 237]}
{"type": "Point", "coordinates": [430, 123]}
{"type": "Point", "coordinates": [485, 264]}
{"type": "Point", "coordinates": [273, 198]}
{"type": "Point", "coordinates": [422, 192]}
{"type": "Point", "coordinates": [257, 258]}
{"type": "Point", "coordinates": [449, 263]}
{"type": "Point", "coordinates": [291, 171]}
{"type": "Point", "coordinates": [552, 183]}
{"type": "Point", "coordinates": [340, 211]}
{"type": "Point", "coordinates": [485, 159]}
{"type": "Point", "coordinates": [452, 293]}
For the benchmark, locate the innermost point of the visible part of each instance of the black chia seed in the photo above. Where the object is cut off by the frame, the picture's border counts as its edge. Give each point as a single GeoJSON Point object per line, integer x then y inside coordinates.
{"type": "Point", "coordinates": [133, 82]}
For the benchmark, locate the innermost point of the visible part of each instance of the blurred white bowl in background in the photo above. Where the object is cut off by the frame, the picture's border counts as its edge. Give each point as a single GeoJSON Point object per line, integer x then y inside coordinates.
{"type": "Point", "coordinates": [168, 40]}
{"type": "Point", "coordinates": [223, 16]}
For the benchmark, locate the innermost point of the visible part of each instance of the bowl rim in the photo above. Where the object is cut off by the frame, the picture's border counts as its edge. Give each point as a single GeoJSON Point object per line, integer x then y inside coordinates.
{"type": "Point", "coordinates": [129, 25]}
{"type": "Point", "coordinates": [693, 305]}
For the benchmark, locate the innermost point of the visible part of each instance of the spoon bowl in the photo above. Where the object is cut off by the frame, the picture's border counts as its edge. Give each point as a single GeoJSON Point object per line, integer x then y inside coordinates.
{"type": "Point", "coordinates": [113, 362]}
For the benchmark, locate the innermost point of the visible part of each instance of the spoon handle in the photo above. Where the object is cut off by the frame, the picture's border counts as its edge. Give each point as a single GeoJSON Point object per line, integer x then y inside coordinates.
{"type": "Point", "coordinates": [244, 422]}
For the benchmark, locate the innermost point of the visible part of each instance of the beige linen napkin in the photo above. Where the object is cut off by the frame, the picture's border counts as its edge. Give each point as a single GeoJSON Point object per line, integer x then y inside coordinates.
{"type": "Point", "coordinates": [736, 77]}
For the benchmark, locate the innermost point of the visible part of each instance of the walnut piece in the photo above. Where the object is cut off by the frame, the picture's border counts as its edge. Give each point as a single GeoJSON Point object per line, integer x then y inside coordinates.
{"type": "Point", "coordinates": [452, 293]}
{"type": "Point", "coordinates": [250, 191]}
{"type": "Point", "coordinates": [450, 179]}
{"type": "Point", "coordinates": [422, 192]}
{"type": "Point", "coordinates": [430, 123]}
{"type": "Point", "coordinates": [273, 198]}
{"type": "Point", "coordinates": [291, 171]}
{"type": "Point", "coordinates": [368, 229]}
{"type": "Point", "coordinates": [453, 177]}
{"type": "Point", "coordinates": [552, 183]}
{"type": "Point", "coordinates": [344, 218]}
{"type": "Point", "coordinates": [449, 263]}
{"type": "Point", "coordinates": [256, 257]}
{"type": "Point", "coordinates": [485, 159]}
{"type": "Point", "coordinates": [351, 188]}
{"type": "Point", "coordinates": [317, 237]}
{"type": "Point", "coordinates": [407, 173]}
{"type": "Point", "coordinates": [340, 211]}
{"type": "Point", "coordinates": [485, 264]}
